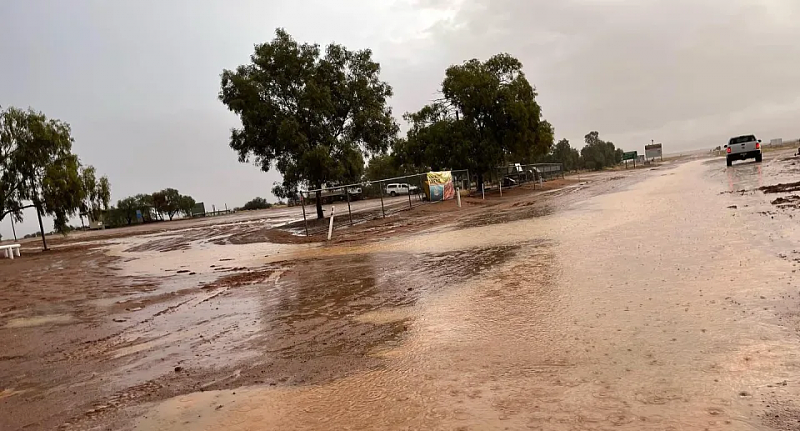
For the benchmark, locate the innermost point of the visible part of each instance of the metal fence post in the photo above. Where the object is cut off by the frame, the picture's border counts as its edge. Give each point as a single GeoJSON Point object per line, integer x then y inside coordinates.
{"type": "Point", "coordinates": [350, 212]}
{"type": "Point", "coordinates": [303, 204]}
{"type": "Point", "coordinates": [383, 210]}
{"type": "Point", "coordinates": [409, 195]}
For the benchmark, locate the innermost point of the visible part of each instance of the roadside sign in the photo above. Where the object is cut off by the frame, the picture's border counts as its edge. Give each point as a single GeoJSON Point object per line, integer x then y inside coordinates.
{"type": "Point", "coordinates": [652, 151]}
{"type": "Point", "coordinates": [630, 155]}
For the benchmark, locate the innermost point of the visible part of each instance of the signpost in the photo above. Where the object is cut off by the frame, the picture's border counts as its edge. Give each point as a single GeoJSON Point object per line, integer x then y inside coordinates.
{"type": "Point", "coordinates": [630, 155]}
{"type": "Point", "coordinates": [652, 151]}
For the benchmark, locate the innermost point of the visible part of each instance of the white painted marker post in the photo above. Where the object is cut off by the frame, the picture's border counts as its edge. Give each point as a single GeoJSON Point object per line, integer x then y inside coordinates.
{"type": "Point", "coordinates": [330, 228]}
{"type": "Point", "coordinates": [458, 197]}
{"type": "Point", "coordinates": [501, 188]}
{"type": "Point", "coordinates": [483, 191]}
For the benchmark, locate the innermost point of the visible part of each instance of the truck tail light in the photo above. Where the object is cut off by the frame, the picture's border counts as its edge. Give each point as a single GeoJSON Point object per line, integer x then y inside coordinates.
{"type": "Point", "coordinates": [758, 145]}
{"type": "Point", "coordinates": [729, 150]}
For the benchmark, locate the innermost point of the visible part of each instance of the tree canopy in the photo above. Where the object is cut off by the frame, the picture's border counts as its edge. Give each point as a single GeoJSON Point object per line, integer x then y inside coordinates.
{"type": "Point", "coordinates": [488, 115]}
{"type": "Point", "coordinates": [383, 166]}
{"type": "Point", "coordinates": [186, 205]}
{"type": "Point", "coordinates": [312, 115]}
{"type": "Point", "coordinates": [152, 206]}
{"type": "Point", "coordinates": [566, 155]}
{"type": "Point", "coordinates": [96, 193]}
{"type": "Point", "coordinates": [37, 168]}
{"type": "Point", "coordinates": [598, 154]}
{"type": "Point", "coordinates": [257, 204]}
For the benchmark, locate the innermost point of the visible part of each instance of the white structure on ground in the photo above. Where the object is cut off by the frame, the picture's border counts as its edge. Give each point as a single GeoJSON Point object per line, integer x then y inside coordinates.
{"type": "Point", "coordinates": [10, 250]}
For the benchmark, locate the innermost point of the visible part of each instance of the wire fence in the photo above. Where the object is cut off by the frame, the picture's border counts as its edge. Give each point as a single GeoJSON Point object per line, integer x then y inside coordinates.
{"type": "Point", "coordinates": [351, 204]}
{"type": "Point", "coordinates": [516, 174]}
{"type": "Point", "coordinates": [356, 203]}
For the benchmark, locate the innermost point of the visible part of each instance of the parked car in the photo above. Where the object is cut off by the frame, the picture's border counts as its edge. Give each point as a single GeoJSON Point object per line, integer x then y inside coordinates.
{"type": "Point", "coordinates": [396, 189]}
{"type": "Point", "coordinates": [742, 148]}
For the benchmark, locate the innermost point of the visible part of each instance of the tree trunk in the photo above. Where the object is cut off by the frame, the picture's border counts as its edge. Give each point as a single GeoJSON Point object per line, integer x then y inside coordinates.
{"type": "Point", "coordinates": [320, 214]}
{"type": "Point", "coordinates": [480, 182]}
{"type": "Point", "coordinates": [41, 227]}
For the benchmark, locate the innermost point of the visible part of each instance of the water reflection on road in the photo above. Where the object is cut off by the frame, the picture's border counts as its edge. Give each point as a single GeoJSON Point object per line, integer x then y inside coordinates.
{"type": "Point", "coordinates": [625, 311]}
{"type": "Point", "coordinates": [745, 176]}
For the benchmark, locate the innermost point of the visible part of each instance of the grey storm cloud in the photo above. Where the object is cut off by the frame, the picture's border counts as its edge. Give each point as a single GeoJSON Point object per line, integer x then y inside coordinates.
{"type": "Point", "coordinates": [138, 80]}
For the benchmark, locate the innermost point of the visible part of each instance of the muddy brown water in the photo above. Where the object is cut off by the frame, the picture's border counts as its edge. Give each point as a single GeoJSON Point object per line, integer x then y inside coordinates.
{"type": "Point", "coordinates": [654, 307]}
{"type": "Point", "coordinates": [660, 300]}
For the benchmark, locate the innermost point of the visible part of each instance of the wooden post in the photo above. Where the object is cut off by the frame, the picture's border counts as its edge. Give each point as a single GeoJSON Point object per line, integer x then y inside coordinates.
{"type": "Point", "coordinates": [383, 210]}
{"type": "Point", "coordinates": [349, 211]}
{"type": "Point", "coordinates": [303, 204]}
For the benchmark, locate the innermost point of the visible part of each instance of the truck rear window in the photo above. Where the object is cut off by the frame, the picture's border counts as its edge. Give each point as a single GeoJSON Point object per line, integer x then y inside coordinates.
{"type": "Point", "coordinates": [742, 139]}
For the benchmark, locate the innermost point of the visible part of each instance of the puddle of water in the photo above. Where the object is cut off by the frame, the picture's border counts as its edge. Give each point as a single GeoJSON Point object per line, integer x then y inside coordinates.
{"type": "Point", "coordinates": [197, 257]}
{"type": "Point", "coordinates": [631, 317]}
{"type": "Point", "coordinates": [52, 319]}
{"type": "Point", "coordinates": [389, 315]}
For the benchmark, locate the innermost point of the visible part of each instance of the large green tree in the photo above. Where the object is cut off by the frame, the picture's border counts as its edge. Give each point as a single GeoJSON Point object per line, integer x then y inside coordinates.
{"type": "Point", "coordinates": [566, 155]}
{"type": "Point", "coordinates": [172, 202]}
{"type": "Point", "coordinates": [312, 115]}
{"type": "Point", "coordinates": [382, 166]}
{"type": "Point", "coordinates": [37, 168]}
{"type": "Point", "coordinates": [488, 115]}
{"type": "Point", "coordinates": [127, 208]}
{"type": "Point", "coordinates": [96, 193]}
{"type": "Point", "coordinates": [186, 205]}
{"type": "Point", "coordinates": [598, 154]}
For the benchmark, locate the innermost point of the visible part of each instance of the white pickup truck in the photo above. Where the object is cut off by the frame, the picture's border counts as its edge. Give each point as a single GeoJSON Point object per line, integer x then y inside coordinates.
{"type": "Point", "coordinates": [743, 147]}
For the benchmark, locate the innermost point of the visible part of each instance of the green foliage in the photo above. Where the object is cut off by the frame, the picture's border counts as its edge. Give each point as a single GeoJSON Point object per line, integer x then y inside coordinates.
{"type": "Point", "coordinates": [257, 204]}
{"type": "Point", "coordinates": [383, 166]}
{"type": "Point", "coordinates": [37, 167]}
{"type": "Point", "coordinates": [155, 205]}
{"type": "Point", "coordinates": [186, 205]}
{"type": "Point", "coordinates": [97, 193]}
{"type": "Point", "coordinates": [313, 116]}
{"type": "Point", "coordinates": [172, 202]}
{"type": "Point", "coordinates": [159, 200]}
{"type": "Point", "coordinates": [61, 192]}
{"type": "Point", "coordinates": [566, 155]}
{"type": "Point", "coordinates": [127, 208]}
{"type": "Point", "coordinates": [598, 154]}
{"type": "Point", "coordinates": [488, 115]}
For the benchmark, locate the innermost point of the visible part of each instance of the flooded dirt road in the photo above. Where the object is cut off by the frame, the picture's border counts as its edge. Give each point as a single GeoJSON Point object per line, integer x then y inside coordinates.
{"type": "Point", "coordinates": [664, 299]}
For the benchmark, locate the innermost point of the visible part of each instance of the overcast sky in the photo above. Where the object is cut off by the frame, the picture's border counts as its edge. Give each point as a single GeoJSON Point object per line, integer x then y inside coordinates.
{"type": "Point", "coordinates": [138, 80]}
